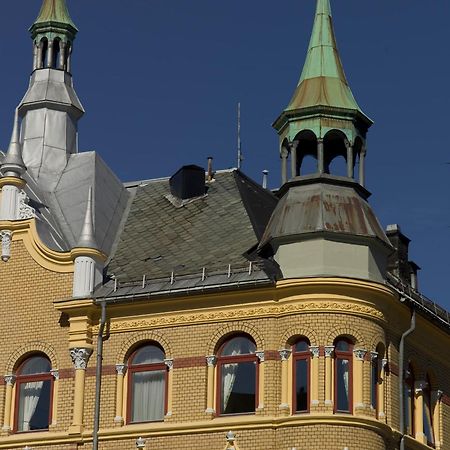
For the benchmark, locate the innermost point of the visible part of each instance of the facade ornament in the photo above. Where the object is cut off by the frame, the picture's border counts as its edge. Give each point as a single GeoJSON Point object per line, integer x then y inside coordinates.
{"type": "Point", "coordinates": [329, 351]}
{"type": "Point", "coordinates": [284, 354]}
{"type": "Point", "coordinates": [374, 356]}
{"type": "Point", "coordinates": [439, 394]}
{"type": "Point", "coordinates": [315, 351]}
{"type": "Point", "coordinates": [384, 364]}
{"type": "Point", "coordinates": [360, 354]}
{"type": "Point", "coordinates": [260, 355]}
{"type": "Point", "coordinates": [169, 363]}
{"type": "Point", "coordinates": [55, 373]}
{"type": "Point", "coordinates": [211, 361]}
{"type": "Point", "coordinates": [230, 437]}
{"type": "Point", "coordinates": [10, 379]}
{"type": "Point", "coordinates": [6, 237]}
{"type": "Point", "coordinates": [120, 369]}
{"type": "Point", "coordinates": [140, 442]}
{"type": "Point", "coordinates": [24, 210]}
{"type": "Point", "coordinates": [80, 357]}
{"type": "Point", "coordinates": [419, 390]}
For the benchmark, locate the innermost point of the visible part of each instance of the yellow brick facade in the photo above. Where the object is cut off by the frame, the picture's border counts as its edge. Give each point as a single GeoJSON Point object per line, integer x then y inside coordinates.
{"type": "Point", "coordinates": [40, 316]}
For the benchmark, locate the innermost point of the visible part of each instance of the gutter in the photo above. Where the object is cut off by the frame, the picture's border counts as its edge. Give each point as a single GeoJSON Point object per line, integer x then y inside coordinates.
{"type": "Point", "coordinates": [98, 374]}
{"type": "Point", "coordinates": [401, 381]}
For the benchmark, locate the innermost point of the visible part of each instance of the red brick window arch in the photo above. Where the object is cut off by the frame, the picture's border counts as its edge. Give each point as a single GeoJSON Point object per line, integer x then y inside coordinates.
{"type": "Point", "coordinates": [147, 385]}
{"type": "Point", "coordinates": [343, 375]}
{"type": "Point", "coordinates": [301, 365]}
{"type": "Point", "coordinates": [237, 376]}
{"type": "Point", "coordinates": [34, 392]}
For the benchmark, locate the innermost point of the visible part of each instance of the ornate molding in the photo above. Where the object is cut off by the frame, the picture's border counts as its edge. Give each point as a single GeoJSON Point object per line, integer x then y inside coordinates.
{"type": "Point", "coordinates": [260, 355]}
{"type": "Point", "coordinates": [164, 320]}
{"type": "Point", "coordinates": [121, 369]}
{"type": "Point", "coordinates": [80, 357]}
{"type": "Point", "coordinates": [169, 363]}
{"type": "Point", "coordinates": [211, 361]}
{"type": "Point", "coordinates": [360, 354]}
{"type": "Point", "coordinates": [24, 210]}
{"type": "Point", "coordinates": [284, 354]}
{"type": "Point", "coordinates": [329, 351]}
{"type": "Point", "coordinates": [55, 374]}
{"type": "Point", "coordinates": [6, 237]}
{"type": "Point", "coordinates": [10, 379]}
{"type": "Point", "coordinates": [315, 351]}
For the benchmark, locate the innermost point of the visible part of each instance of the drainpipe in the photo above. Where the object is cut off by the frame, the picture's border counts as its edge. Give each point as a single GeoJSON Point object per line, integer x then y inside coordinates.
{"type": "Point", "coordinates": [401, 381]}
{"type": "Point", "coordinates": [98, 375]}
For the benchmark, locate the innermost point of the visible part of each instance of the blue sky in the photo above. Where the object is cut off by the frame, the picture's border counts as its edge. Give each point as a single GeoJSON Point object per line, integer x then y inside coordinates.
{"type": "Point", "coordinates": [160, 81]}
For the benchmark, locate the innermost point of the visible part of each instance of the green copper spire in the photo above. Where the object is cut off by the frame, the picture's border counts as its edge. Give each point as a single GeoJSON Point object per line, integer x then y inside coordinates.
{"type": "Point", "coordinates": [54, 11]}
{"type": "Point", "coordinates": [323, 81]}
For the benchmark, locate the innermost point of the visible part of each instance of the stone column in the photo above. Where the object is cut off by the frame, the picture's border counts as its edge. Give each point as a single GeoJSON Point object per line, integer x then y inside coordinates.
{"type": "Point", "coordinates": [436, 397]}
{"type": "Point", "coordinates": [358, 379]}
{"type": "Point", "coordinates": [350, 159]}
{"type": "Point", "coordinates": [9, 380]}
{"type": "Point", "coordinates": [381, 391]}
{"type": "Point", "coordinates": [315, 353]}
{"type": "Point", "coordinates": [211, 361]}
{"type": "Point", "coordinates": [169, 363]}
{"type": "Point", "coordinates": [35, 55]}
{"type": "Point", "coordinates": [50, 54]}
{"type": "Point", "coordinates": [284, 355]}
{"type": "Point", "coordinates": [55, 374]}
{"type": "Point", "coordinates": [80, 358]}
{"type": "Point", "coordinates": [320, 157]}
{"type": "Point", "coordinates": [418, 412]}
{"type": "Point", "coordinates": [39, 63]}
{"type": "Point", "coordinates": [329, 352]}
{"type": "Point", "coordinates": [362, 169]}
{"type": "Point", "coordinates": [262, 380]}
{"type": "Point", "coordinates": [284, 157]}
{"type": "Point", "coordinates": [120, 370]}
{"type": "Point", "coordinates": [293, 145]}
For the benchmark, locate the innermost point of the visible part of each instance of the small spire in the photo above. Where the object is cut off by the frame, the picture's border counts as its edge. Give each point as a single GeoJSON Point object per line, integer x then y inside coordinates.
{"type": "Point", "coordinates": [87, 236]}
{"type": "Point", "coordinates": [54, 11]}
{"type": "Point", "coordinates": [323, 81]}
{"type": "Point", "coordinates": [13, 164]}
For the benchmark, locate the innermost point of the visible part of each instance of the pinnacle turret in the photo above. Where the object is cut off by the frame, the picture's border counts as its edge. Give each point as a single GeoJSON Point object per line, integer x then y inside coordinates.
{"type": "Point", "coordinates": [13, 164]}
{"type": "Point", "coordinates": [87, 236]}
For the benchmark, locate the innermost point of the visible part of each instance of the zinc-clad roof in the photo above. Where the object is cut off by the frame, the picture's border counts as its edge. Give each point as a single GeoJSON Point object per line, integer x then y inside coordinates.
{"type": "Point", "coordinates": [212, 231]}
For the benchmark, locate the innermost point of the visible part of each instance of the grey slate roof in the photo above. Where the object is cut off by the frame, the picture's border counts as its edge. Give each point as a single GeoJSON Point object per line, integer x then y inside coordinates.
{"type": "Point", "coordinates": [162, 235]}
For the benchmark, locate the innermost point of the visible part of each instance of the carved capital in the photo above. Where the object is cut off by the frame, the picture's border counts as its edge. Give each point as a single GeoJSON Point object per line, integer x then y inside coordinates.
{"type": "Point", "coordinates": [374, 356]}
{"type": "Point", "coordinates": [10, 379]}
{"type": "Point", "coordinates": [384, 364]}
{"type": "Point", "coordinates": [80, 357]}
{"type": "Point", "coordinates": [260, 355]}
{"type": "Point", "coordinates": [329, 351]}
{"type": "Point", "coordinates": [169, 363]}
{"type": "Point", "coordinates": [211, 361]}
{"type": "Point", "coordinates": [360, 354]}
{"type": "Point", "coordinates": [439, 394]}
{"type": "Point", "coordinates": [284, 354]}
{"type": "Point", "coordinates": [55, 373]}
{"type": "Point", "coordinates": [121, 369]}
{"type": "Point", "coordinates": [293, 145]}
{"type": "Point", "coordinates": [315, 351]}
{"type": "Point", "coordinates": [6, 237]}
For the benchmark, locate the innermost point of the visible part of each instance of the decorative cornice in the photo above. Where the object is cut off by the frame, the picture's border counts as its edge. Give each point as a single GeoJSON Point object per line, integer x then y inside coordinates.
{"type": "Point", "coordinates": [211, 361]}
{"type": "Point", "coordinates": [121, 369]}
{"type": "Point", "coordinates": [260, 355]}
{"type": "Point", "coordinates": [80, 357]}
{"type": "Point", "coordinates": [360, 354]}
{"type": "Point", "coordinates": [315, 351]}
{"type": "Point", "coordinates": [329, 351]}
{"type": "Point", "coordinates": [284, 354]}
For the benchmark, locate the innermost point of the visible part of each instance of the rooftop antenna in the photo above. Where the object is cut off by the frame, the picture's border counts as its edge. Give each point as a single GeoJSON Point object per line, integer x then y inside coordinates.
{"type": "Point", "coordinates": [240, 158]}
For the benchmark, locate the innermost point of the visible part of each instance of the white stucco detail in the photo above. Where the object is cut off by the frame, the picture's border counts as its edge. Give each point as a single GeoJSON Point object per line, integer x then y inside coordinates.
{"type": "Point", "coordinates": [87, 276]}
{"type": "Point", "coordinates": [9, 202]}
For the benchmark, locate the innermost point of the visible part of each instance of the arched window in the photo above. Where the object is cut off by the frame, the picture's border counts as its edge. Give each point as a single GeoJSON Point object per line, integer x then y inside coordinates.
{"type": "Point", "coordinates": [374, 380]}
{"type": "Point", "coordinates": [237, 366]}
{"type": "Point", "coordinates": [343, 375]}
{"type": "Point", "coordinates": [301, 366]}
{"type": "Point", "coordinates": [34, 388]}
{"type": "Point", "coordinates": [427, 414]}
{"type": "Point", "coordinates": [56, 53]}
{"type": "Point", "coordinates": [408, 398]}
{"type": "Point", "coordinates": [147, 383]}
{"type": "Point", "coordinates": [44, 53]}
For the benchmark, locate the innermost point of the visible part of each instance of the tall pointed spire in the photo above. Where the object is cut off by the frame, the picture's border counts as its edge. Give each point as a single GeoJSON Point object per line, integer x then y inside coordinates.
{"type": "Point", "coordinates": [87, 236]}
{"type": "Point", "coordinates": [13, 164]}
{"type": "Point", "coordinates": [54, 11]}
{"type": "Point", "coordinates": [323, 80]}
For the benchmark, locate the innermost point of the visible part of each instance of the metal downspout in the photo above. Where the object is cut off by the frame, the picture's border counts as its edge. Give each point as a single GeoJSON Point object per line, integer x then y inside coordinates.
{"type": "Point", "coordinates": [401, 381]}
{"type": "Point", "coordinates": [98, 375]}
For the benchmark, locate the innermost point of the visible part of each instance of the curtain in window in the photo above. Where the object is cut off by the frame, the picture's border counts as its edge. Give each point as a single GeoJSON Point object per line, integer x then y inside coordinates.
{"type": "Point", "coordinates": [29, 398]}
{"type": "Point", "coordinates": [229, 374]}
{"type": "Point", "coordinates": [148, 396]}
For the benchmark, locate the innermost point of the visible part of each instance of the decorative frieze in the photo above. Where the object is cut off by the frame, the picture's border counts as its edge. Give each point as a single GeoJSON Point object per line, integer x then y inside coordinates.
{"type": "Point", "coordinates": [80, 357]}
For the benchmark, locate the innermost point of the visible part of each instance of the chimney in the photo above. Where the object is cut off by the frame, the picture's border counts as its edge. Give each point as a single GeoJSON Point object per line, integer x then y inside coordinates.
{"type": "Point", "coordinates": [188, 182]}
{"type": "Point", "coordinates": [210, 174]}
{"type": "Point", "coordinates": [265, 178]}
{"type": "Point", "coordinates": [398, 263]}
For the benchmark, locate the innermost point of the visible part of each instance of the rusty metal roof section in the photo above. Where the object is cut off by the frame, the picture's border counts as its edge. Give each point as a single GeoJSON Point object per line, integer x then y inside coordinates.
{"type": "Point", "coordinates": [324, 204]}
{"type": "Point", "coordinates": [54, 11]}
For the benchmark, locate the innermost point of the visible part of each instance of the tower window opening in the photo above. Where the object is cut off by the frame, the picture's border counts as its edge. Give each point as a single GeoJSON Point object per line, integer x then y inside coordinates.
{"type": "Point", "coordinates": [56, 53]}
{"type": "Point", "coordinates": [44, 53]}
{"type": "Point", "coordinates": [306, 153]}
{"type": "Point", "coordinates": [335, 153]}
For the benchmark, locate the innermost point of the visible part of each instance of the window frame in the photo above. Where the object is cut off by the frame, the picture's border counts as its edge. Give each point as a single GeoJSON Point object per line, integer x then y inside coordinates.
{"type": "Point", "coordinates": [343, 355]}
{"type": "Point", "coordinates": [298, 356]}
{"type": "Point", "coordinates": [131, 369]}
{"type": "Point", "coordinates": [21, 379]}
{"type": "Point", "coordinates": [235, 359]}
